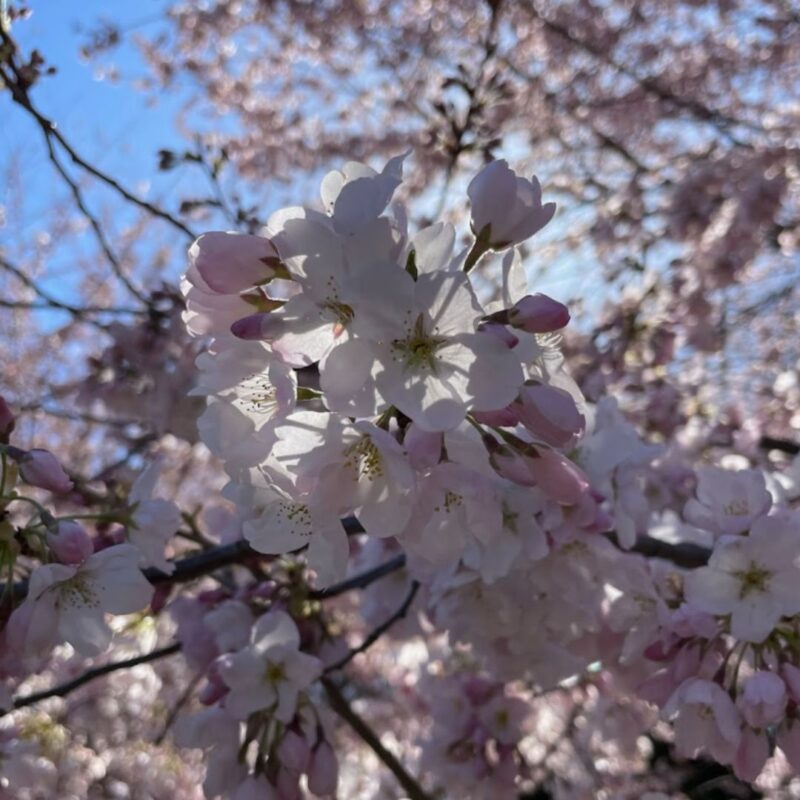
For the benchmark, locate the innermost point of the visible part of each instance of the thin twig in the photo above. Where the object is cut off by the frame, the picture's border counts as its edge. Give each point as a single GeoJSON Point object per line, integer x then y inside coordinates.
{"type": "Point", "coordinates": [53, 302]}
{"type": "Point", "coordinates": [64, 689]}
{"type": "Point", "coordinates": [20, 96]}
{"type": "Point", "coordinates": [176, 708]}
{"type": "Point", "coordinates": [362, 580]}
{"type": "Point", "coordinates": [94, 223]}
{"type": "Point", "coordinates": [340, 705]}
{"type": "Point", "coordinates": [378, 632]}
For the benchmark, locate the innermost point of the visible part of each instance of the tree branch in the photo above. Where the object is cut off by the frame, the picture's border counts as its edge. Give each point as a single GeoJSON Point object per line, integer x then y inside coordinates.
{"type": "Point", "coordinates": [20, 96]}
{"type": "Point", "coordinates": [195, 566]}
{"type": "Point", "coordinates": [784, 445]}
{"type": "Point", "coordinates": [53, 302]}
{"type": "Point", "coordinates": [378, 632]}
{"type": "Point", "coordinates": [362, 580]}
{"type": "Point", "coordinates": [70, 686]}
{"type": "Point", "coordinates": [340, 705]}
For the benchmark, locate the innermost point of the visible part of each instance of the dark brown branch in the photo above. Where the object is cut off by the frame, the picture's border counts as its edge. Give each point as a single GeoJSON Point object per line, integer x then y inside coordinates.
{"type": "Point", "coordinates": [378, 632]}
{"type": "Point", "coordinates": [192, 567]}
{"type": "Point", "coordinates": [64, 689]}
{"type": "Point", "coordinates": [683, 554]}
{"type": "Point", "coordinates": [340, 705]}
{"type": "Point", "coordinates": [362, 580]}
{"type": "Point", "coordinates": [200, 564]}
{"type": "Point", "coordinates": [784, 445]}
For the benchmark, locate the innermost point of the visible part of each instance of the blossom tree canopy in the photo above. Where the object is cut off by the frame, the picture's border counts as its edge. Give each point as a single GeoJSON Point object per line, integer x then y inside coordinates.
{"type": "Point", "coordinates": [472, 472]}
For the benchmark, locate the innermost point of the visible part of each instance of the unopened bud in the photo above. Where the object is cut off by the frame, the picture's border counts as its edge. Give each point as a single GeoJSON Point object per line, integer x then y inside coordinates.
{"type": "Point", "coordinates": [323, 771]}
{"type": "Point", "coordinates": [538, 313]}
{"type": "Point", "coordinates": [41, 468]}
{"type": "Point", "coordinates": [70, 543]}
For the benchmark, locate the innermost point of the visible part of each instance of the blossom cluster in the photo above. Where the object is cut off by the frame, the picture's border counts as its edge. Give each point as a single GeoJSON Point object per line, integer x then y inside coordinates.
{"type": "Point", "coordinates": [370, 382]}
{"type": "Point", "coordinates": [75, 580]}
{"type": "Point", "coordinates": [356, 383]}
{"type": "Point", "coordinates": [372, 402]}
{"type": "Point", "coordinates": [726, 634]}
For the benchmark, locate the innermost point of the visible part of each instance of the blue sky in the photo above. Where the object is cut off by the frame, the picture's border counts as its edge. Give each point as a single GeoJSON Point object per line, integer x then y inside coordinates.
{"type": "Point", "coordinates": [107, 122]}
{"type": "Point", "coordinates": [120, 130]}
{"type": "Point", "coordinates": [117, 129]}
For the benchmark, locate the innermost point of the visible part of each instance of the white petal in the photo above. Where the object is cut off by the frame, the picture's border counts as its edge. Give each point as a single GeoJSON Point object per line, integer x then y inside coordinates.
{"type": "Point", "coordinates": [754, 617]}
{"type": "Point", "coordinates": [276, 629]}
{"type": "Point", "coordinates": [328, 554]}
{"type": "Point", "coordinates": [283, 526]}
{"type": "Point", "coordinates": [84, 627]}
{"type": "Point", "coordinates": [433, 247]}
{"type": "Point", "coordinates": [712, 590]}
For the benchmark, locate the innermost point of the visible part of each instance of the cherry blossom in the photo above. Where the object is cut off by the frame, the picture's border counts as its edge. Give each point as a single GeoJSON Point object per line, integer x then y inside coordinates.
{"type": "Point", "coordinates": [41, 468]}
{"type": "Point", "coordinates": [70, 603]}
{"type": "Point", "coordinates": [754, 579]}
{"type": "Point", "coordinates": [270, 672]}
{"type": "Point", "coordinates": [153, 521]}
{"type": "Point", "coordinates": [506, 209]}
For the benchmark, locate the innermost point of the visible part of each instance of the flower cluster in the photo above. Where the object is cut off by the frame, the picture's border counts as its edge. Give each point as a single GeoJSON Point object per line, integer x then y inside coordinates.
{"type": "Point", "coordinates": [370, 382]}
{"type": "Point", "coordinates": [262, 730]}
{"type": "Point", "coordinates": [74, 579]}
{"type": "Point", "coordinates": [728, 634]}
{"type": "Point", "coordinates": [473, 744]}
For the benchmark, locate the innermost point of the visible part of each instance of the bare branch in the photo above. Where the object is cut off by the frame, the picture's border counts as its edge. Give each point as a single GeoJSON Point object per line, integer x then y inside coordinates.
{"type": "Point", "coordinates": [21, 96]}
{"type": "Point", "coordinates": [340, 705]}
{"type": "Point", "coordinates": [362, 580]}
{"type": "Point", "coordinates": [64, 689]}
{"type": "Point", "coordinates": [378, 632]}
{"type": "Point", "coordinates": [49, 301]}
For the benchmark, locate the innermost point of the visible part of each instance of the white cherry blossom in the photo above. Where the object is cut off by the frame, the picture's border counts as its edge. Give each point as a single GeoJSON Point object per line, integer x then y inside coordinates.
{"type": "Point", "coordinates": [153, 521]}
{"type": "Point", "coordinates": [70, 603]}
{"type": "Point", "coordinates": [755, 579]}
{"type": "Point", "coordinates": [270, 672]}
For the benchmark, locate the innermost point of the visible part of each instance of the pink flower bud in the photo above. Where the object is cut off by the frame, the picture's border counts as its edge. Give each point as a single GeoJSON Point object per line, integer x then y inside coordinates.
{"type": "Point", "coordinates": [249, 327]}
{"type": "Point", "coordinates": [6, 420]}
{"type": "Point", "coordinates": [506, 209]}
{"type": "Point", "coordinates": [538, 313]}
{"type": "Point", "coordinates": [791, 674]}
{"type": "Point", "coordinates": [763, 700]}
{"type": "Point", "coordinates": [232, 262]}
{"type": "Point", "coordinates": [294, 752]}
{"type": "Point", "coordinates": [751, 755]}
{"type": "Point", "coordinates": [323, 771]}
{"type": "Point", "coordinates": [550, 414]}
{"type": "Point", "coordinates": [789, 742]}
{"type": "Point", "coordinates": [214, 690]}
{"type": "Point", "coordinates": [264, 589]}
{"type": "Point", "coordinates": [70, 543]}
{"type": "Point", "coordinates": [41, 468]}
{"type": "Point", "coordinates": [509, 464]}
{"type": "Point", "coordinates": [479, 690]}
{"type": "Point", "coordinates": [287, 785]}
{"type": "Point", "coordinates": [254, 788]}
{"type": "Point", "coordinates": [558, 477]}
{"type": "Point", "coordinates": [661, 650]}
{"type": "Point", "coordinates": [161, 596]}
